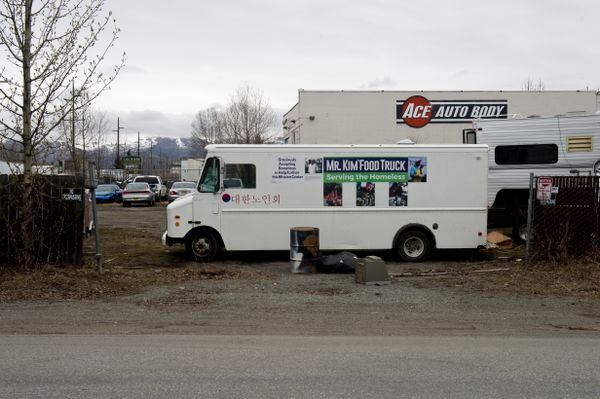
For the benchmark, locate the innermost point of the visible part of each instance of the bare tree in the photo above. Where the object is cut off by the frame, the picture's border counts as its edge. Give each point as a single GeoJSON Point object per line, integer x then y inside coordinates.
{"type": "Point", "coordinates": [46, 48]}
{"type": "Point", "coordinates": [531, 85]}
{"type": "Point", "coordinates": [248, 118]}
{"type": "Point", "coordinates": [207, 127]}
{"type": "Point", "coordinates": [99, 128]}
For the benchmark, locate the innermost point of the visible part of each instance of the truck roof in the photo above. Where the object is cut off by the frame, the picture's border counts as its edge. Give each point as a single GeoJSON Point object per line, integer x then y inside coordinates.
{"type": "Point", "coordinates": [309, 147]}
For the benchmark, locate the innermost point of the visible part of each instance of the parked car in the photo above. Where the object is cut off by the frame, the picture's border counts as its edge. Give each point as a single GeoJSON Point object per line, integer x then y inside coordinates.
{"type": "Point", "coordinates": [108, 193]}
{"type": "Point", "coordinates": [136, 193]}
{"type": "Point", "coordinates": [156, 185]}
{"type": "Point", "coordinates": [181, 188]}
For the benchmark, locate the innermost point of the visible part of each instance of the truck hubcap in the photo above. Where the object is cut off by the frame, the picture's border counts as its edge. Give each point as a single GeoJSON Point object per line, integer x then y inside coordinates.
{"type": "Point", "coordinates": [201, 246]}
{"type": "Point", "coordinates": [414, 247]}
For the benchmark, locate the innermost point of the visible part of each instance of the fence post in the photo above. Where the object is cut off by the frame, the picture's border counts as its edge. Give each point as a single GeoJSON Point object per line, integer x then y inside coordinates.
{"type": "Point", "coordinates": [96, 233]}
{"type": "Point", "coordinates": [529, 218]}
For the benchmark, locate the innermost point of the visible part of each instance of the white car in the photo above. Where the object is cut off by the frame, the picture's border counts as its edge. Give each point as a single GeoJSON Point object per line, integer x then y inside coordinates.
{"type": "Point", "coordinates": [138, 193]}
{"type": "Point", "coordinates": [181, 188]}
{"type": "Point", "coordinates": [156, 185]}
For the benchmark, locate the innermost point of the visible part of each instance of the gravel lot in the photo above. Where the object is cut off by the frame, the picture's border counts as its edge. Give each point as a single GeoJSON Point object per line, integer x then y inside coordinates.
{"type": "Point", "coordinates": [268, 299]}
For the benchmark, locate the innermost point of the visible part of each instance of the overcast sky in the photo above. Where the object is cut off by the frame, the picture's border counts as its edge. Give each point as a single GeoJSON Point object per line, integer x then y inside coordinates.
{"type": "Point", "coordinates": [187, 55]}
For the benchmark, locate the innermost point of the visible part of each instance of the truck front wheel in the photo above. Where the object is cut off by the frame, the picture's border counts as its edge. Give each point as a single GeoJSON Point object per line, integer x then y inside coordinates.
{"type": "Point", "coordinates": [202, 246]}
{"type": "Point", "coordinates": [413, 246]}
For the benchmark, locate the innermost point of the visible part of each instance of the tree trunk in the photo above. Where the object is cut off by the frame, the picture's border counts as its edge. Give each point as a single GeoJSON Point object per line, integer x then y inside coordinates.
{"type": "Point", "coordinates": [27, 225]}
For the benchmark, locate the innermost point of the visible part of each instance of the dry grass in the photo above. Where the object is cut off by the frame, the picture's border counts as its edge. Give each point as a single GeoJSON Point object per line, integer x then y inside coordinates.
{"type": "Point", "coordinates": [135, 261]}
{"type": "Point", "coordinates": [579, 279]}
{"type": "Point", "coordinates": [85, 283]}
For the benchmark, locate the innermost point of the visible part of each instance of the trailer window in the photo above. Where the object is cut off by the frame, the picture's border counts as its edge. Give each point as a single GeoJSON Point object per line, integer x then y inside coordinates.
{"type": "Point", "coordinates": [526, 154]}
{"type": "Point", "coordinates": [209, 182]}
{"type": "Point", "coordinates": [239, 175]}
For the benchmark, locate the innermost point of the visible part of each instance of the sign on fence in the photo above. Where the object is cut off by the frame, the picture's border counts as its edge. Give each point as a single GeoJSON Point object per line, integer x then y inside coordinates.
{"type": "Point", "coordinates": [71, 194]}
{"type": "Point", "coordinates": [546, 193]}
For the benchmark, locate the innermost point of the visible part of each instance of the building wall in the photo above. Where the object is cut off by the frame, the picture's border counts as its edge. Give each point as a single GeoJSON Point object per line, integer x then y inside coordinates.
{"type": "Point", "coordinates": [369, 117]}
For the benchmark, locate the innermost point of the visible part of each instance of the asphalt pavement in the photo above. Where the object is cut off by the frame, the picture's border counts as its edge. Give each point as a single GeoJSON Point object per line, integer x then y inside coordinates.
{"type": "Point", "coordinates": [178, 366]}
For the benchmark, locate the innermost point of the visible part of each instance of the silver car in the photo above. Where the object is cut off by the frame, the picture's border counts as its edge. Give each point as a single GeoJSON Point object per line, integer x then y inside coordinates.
{"type": "Point", "coordinates": [138, 193]}
{"type": "Point", "coordinates": [181, 188]}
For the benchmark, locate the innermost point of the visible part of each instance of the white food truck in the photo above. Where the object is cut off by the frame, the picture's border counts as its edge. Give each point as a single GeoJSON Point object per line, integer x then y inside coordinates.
{"type": "Point", "coordinates": [411, 198]}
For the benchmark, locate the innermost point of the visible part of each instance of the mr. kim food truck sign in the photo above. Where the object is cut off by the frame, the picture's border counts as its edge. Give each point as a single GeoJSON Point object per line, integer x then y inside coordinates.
{"type": "Point", "coordinates": [418, 111]}
{"type": "Point", "coordinates": [348, 170]}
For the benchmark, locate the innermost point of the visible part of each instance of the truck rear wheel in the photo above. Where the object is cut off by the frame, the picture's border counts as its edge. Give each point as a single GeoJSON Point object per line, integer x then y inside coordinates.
{"type": "Point", "coordinates": [202, 246]}
{"type": "Point", "coordinates": [413, 246]}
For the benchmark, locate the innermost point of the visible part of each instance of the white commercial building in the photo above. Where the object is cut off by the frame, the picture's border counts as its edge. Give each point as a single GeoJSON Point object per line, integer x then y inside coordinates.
{"type": "Point", "coordinates": [436, 117]}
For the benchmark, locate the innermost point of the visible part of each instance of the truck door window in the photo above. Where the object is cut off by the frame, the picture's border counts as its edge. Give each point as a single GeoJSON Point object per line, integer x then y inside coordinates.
{"type": "Point", "coordinates": [209, 182]}
{"type": "Point", "coordinates": [526, 154]}
{"type": "Point", "coordinates": [239, 175]}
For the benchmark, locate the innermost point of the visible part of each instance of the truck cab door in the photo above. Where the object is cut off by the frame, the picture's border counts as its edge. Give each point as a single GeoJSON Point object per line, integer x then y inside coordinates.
{"type": "Point", "coordinates": [207, 200]}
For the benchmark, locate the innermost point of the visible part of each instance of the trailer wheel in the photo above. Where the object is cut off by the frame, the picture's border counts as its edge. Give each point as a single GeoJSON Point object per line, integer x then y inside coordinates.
{"type": "Point", "coordinates": [413, 246]}
{"type": "Point", "coordinates": [597, 168]}
{"type": "Point", "coordinates": [520, 232]}
{"type": "Point", "coordinates": [202, 246]}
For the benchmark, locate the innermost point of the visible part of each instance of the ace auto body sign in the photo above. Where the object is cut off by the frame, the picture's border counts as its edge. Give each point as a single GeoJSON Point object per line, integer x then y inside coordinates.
{"type": "Point", "coordinates": [418, 111]}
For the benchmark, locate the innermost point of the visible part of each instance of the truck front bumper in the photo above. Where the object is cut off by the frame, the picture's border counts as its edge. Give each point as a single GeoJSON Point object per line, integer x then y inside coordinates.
{"type": "Point", "coordinates": [166, 240]}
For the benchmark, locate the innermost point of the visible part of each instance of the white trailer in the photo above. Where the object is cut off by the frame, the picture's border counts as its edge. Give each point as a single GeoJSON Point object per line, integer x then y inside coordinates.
{"type": "Point", "coordinates": [411, 198]}
{"type": "Point", "coordinates": [190, 169]}
{"type": "Point", "coordinates": [546, 146]}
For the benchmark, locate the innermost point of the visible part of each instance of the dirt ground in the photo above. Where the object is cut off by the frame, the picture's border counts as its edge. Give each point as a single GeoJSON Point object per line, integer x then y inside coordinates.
{"type": "Point", "coordinates": [148, 288]}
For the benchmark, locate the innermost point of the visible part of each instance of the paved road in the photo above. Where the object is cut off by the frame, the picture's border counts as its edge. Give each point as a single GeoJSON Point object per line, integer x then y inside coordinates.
{"type": "Point", "coordinates": [157, 366]}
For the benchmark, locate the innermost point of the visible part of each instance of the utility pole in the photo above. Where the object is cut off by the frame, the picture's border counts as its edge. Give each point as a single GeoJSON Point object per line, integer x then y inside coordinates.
{"type": "Point", "coordinates": [118, 159]}
{"type": "Point", "coordinates": [151, 160]}
{"type": "Point", "coordinates": [138, 154]}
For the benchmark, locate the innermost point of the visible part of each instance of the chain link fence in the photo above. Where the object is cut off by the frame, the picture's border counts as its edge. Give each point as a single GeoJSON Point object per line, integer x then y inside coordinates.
{"type": "Point", "coordinates": [565, 221]}
{"type": "Point", "coordinates": [58, 222]}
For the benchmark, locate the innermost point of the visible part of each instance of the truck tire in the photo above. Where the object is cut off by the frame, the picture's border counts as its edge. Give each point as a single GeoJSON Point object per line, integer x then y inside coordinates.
{"type": "Point", "coordinates": [202, 246]}
{"type": "Point", "coordinates": [413, 246]}
{"type": "Point", "coordinates": [597, 168]}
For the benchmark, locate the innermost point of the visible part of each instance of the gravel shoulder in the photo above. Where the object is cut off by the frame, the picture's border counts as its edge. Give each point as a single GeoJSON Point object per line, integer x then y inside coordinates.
{"type": "Point", "coordinates": [255, 294]}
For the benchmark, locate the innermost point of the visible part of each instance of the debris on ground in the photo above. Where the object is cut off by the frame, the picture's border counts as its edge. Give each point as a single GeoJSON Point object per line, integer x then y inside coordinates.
{"type": "Point", "coordinates": [431, 273]}
{"type": "Point", "coordinates": [343, 262]}
{"type": "Point", "coordinates": [372, 271]}
{"type": "Point", "coordinates": [500, 240]}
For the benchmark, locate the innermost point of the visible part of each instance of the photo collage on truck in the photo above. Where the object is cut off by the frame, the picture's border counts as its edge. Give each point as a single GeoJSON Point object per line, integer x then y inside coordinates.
{"type": "Point", "coordinates": [365, 175]}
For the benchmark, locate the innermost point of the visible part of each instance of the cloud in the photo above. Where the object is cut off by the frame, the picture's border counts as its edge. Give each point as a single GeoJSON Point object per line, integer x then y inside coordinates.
{"type": "Point", "coordinates": [147, 115]}
{"type": "Point", "coordinates": [150, 123]}
{"type": "Point", "coordinates": [133, 69]}
{"type": "Point", "coordinates": [385, 82]}
{"type": "Point", "coordinates": [460, 74]}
